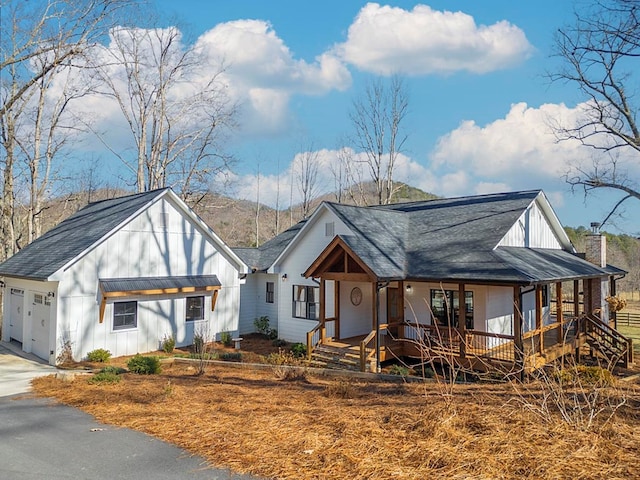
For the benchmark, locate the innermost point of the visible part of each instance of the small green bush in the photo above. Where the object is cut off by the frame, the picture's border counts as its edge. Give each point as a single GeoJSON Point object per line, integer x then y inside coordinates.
{"type": "Point", "coordinates": [99, 355]}
{"type": "Point", "coordinates": [231, 356]}
{"type": "Point", "coordinates": [399, 370]}
{"type": "Point", "coordinates": [198, 343]}
{"type": "Point", "coordinates": [112, 369]}
{"type": "Point", "coordinates": [272, 333]}
{"type": "Point", "coordinates": [225, 338]}
{"type": "Point", "coordinates": [168, 343]}
{"type": "Point", "coordinates": [587, 375]}
{"type": "Point", "coordinates": [262, 325]}
{"type": "Point", "coordinates": [104, 378]}
{"type": "Point", "coordinates": [144, 365]}
{"type": "Point", "coordinates": [299, 350]}
{"type": "Point", "coordinates": [278, 342]}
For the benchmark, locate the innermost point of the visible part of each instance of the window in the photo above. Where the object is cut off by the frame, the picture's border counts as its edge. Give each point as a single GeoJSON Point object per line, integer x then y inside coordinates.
{"type": "Point", "coordinates": [37, 299]}
{"type": "Point", "coordinates": [270, 295]}
{"type": "Point", "coordinates": [195, 309]}
{"type": "Point", "coordinates": [306, 302]}
{"type": "Point", "coordinates": [443, 300]}
{"type": "Point", "coordinates": [125, 315]}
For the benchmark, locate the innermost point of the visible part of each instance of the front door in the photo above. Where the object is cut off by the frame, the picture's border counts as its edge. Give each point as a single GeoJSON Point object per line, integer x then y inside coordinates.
{"type": "Point", "coordinates": [394, 315]}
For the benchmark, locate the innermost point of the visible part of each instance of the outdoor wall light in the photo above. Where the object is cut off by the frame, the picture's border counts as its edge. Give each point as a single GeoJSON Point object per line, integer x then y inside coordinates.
{"type": "Point", "coordinates": [409, 288]}
{"type": "Point", "coordinates": [284, 277]}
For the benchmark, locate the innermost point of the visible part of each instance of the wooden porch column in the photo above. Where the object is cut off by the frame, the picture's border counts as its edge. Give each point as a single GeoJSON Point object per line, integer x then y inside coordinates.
{"type": "Point", "coordinates": [518, 353]}
{"type": "Point", "coordinates": [559, 312]}
{"type": "Point", "coordinates": [400, 329]}
{"type": "Point", "coordinates": [462, 320]}
{"type": "Point", "coordinates": [539, 317]}
{"type": "Point", "coordinates": [336, 312]}
{"type": "Point", "coordinates": [576, 298]}
{"type": "Point", "coordinates": [323, 296]}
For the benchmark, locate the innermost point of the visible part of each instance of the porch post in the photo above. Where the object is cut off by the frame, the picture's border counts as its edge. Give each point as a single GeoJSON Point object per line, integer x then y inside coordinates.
{"type": "Point", "coordinates": [336, 312]}
{"type": "Point", "coordinates": [539, 317]}
{"type": "Point", "coordinates": [559, 312]}
{"type": "Point", "coordinates": [518, 344]}
{"type": "Point", "coordinates": [323, 329]}
{"type": "Point", "coordinates": [576, 298]}
{"type": "Point", "coordinates": [462, 317]}
{"type": "Point", "coordinates": [376, 321]}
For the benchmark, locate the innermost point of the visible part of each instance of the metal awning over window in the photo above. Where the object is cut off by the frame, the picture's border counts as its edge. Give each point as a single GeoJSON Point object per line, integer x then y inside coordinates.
{"type": "Point", "coordinates": [144, 286]}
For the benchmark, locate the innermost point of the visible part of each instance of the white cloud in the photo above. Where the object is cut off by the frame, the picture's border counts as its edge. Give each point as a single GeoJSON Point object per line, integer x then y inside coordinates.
{"type": "Point", "coordinates": [263, 73]}
{"type": "Point", "coordinates": [386, 40]}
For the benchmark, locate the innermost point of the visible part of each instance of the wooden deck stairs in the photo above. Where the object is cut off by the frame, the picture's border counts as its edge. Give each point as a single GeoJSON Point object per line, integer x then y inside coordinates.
{"type": "Point", "coordinates": [335, 357]}
{"type": "Point", "coordinates": [607, 343]}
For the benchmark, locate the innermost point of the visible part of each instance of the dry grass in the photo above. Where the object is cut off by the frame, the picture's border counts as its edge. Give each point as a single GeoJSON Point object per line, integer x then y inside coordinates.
{"type": "Point", "coordinates": [333, 429]}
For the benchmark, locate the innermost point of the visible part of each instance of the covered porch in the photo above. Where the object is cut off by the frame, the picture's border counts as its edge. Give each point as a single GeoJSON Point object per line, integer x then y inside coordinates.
{"type": "Point", "coordinates": [513, 328]}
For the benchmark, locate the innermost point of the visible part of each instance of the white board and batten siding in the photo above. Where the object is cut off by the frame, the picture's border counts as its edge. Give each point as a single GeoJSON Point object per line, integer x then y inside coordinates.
{"type": "Point", "coordinates": [308, 246]}
{"type": "Point", "coordinates": [532, 230]}
{"type": "Point", "coordinates": [161, 241]}
{"type": "Point", "coordinates": [253, 301]}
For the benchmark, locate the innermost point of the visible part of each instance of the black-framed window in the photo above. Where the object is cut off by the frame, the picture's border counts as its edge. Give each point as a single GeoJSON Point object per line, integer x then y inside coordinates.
{"type": "Point", "coordinates": [195, 309]}
{"type": "Point", "coordinates": [125, 315]}
{"type": "Point", "coordinates": [306, 302]}
{"type": "Point", "coordinates": [445, 307]}
{"type": "Point", "coordinates": [270, 292]}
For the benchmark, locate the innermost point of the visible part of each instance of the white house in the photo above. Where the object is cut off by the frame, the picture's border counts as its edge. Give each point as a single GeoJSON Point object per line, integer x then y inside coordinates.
{"type": "Point", "coordinates": [351, 273]}
{"type": "Point", "coordinates": [121, 274]}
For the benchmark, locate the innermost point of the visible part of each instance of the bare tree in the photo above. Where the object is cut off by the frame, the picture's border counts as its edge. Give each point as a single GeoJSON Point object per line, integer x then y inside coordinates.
{"type": "Point", "coordinates": [38, 41]}
{"type": "Point", "coordinates": [377, 118]}
{"type": "Point", "coordinates": [177, 131]}
{"type": "Point", "coordinates": [600, 52]}
{"type": "Point", "coordinates": [306, 166]}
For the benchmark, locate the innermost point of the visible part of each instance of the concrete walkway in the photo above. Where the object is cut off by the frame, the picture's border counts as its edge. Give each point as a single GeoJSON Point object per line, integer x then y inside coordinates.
{"type": "Point", "coordinates": [18, 368]}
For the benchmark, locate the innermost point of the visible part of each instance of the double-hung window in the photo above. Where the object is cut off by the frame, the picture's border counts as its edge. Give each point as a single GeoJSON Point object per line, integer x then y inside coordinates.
{"type": "Point", "coordinates": [306, 302]}
{"type": "Point", "coordinates": [270, 293]}
{"type": "Point", "coordinates": [195, 309]}
{"type": "Point", "coordinates": [125, 315]}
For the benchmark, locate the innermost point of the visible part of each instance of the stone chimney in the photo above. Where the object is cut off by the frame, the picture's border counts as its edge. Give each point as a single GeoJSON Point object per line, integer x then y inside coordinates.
{"type": "Point", "coordinates": [596, 253]}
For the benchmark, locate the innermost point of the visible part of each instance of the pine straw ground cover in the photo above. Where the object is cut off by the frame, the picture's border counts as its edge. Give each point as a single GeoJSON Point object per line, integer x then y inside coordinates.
{"type": "Point", "coordinates": [320, 428]}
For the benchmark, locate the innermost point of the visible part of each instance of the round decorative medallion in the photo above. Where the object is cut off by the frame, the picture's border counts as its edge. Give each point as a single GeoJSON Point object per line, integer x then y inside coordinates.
{"type": "Point", "coordinates": [356, 296]}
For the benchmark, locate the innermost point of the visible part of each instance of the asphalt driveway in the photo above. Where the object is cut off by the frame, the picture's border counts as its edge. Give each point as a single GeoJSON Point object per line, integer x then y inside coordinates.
{"type": "Point", "coordinates": [44, 440]}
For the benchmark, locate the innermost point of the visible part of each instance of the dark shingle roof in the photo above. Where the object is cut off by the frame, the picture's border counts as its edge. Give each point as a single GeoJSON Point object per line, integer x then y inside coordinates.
{"type": "Point", "coordinates": [454, 239]}
{"type": "Point", "coordinates": [60, 245]}
{"type": "Point", "coordinates": [263, 257]}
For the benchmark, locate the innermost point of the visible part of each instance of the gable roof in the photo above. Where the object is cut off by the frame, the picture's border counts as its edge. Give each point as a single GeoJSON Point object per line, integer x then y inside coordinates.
{"type": "Point", "coordinates": [457, 239]}
{"type": "Point", "coordinates": [85, 229]}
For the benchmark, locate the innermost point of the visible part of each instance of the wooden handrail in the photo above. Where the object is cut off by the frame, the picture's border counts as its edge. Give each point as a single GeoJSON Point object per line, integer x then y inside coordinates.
{"type": "Point", "coordinates": [623, 344]}
{"type": "Point", "coordinates": [310, 334]}
{"type": "Point", "coordinates": [363, 347]}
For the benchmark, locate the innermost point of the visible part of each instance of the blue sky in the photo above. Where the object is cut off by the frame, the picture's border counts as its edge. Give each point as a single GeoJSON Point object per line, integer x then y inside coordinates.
{"type": "Point", "coordinates": [480, 102]}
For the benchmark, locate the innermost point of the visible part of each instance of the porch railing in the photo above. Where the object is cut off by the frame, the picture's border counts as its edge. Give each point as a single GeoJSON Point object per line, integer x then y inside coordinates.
{"type": "Point", "coordinates": [317, 335]}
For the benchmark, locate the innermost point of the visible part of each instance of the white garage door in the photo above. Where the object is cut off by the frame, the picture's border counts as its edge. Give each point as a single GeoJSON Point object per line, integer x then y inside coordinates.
{"type": "Point", "coordinates": [16, 320]}
{"type": "Point", "coordinates": [41, 311]}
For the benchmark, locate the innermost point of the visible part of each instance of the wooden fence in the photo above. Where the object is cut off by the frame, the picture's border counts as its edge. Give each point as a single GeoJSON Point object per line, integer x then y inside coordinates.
{"type": "Point", "coordinates": [627, 319]}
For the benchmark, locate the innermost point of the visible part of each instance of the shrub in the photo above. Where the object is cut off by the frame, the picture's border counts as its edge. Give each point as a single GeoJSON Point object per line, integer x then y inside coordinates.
{"type": "Point", "coordinates": [112, 369]}
{"type": "Point", "coordinates": [231, 356]}
{"type": "Point", "coordinates": [198, 342]}
{"type": "Point", "coordinates": [272, 333]}
{"type": "Point", "coordinates": [99, 355]}
{"type": "Point", "coordinates": [104, 378]}
{"type": "Point", "coordinates": [278, 342]}
{"type": "Point", "coordinates": [399, 370]}
{"type": "Point", "coordinates": [225, 338]}
{"type": "Point", "coordinates": [299, 350]}
{"type": "Point", "coordinates": [144, 365]}
{"type": "Point", "coordinates": [586, 375]}
{"type": "Point", "coordinates": [262, 325]}
{"type": "Point", "coordinates": [168, 343]}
